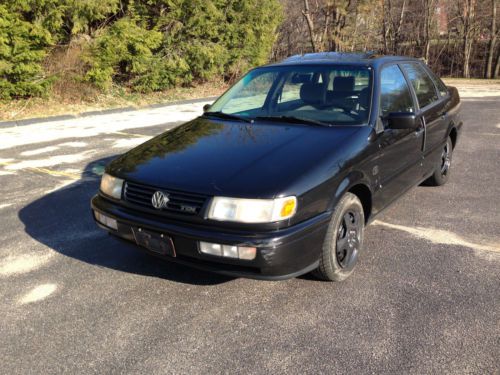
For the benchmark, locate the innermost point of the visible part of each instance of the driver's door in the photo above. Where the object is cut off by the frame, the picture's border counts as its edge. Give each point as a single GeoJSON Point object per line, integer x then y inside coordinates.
{"type": "Point", "coordinates": [400, 150]}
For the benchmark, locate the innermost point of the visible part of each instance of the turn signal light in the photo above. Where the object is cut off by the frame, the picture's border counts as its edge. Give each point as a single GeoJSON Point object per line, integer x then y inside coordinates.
{"type": "Point", "coordinates": [288, 207]}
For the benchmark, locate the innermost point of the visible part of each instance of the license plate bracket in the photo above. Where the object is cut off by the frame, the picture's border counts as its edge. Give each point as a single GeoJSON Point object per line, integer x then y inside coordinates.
{"type": "Point", "coordinates": [156, 242]}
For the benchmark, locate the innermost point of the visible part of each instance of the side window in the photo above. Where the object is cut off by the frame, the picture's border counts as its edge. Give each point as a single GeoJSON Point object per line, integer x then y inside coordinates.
{"type": "Point", "coordinates": [291, 88]}
{"type": "Point", "coordinates": [443, 90]}
{"type": "Point", "coordinates": [422, 83]}
{"type": "Point", "coordinates": [395, 94]}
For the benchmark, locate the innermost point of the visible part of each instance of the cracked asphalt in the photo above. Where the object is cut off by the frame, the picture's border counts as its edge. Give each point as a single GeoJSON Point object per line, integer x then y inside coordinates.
{"type": "Point", "coordinates": [425, 297]}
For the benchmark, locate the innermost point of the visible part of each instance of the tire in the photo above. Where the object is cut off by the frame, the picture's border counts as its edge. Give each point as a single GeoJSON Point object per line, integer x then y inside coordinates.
{"type": "Point", "coordinates": [442, 172]}
{"type": "Point", "coordinates": [343, 241]}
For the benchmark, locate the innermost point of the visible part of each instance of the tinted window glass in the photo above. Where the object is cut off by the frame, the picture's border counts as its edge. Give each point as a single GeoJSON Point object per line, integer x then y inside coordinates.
{"type": "Point", "coordinates": [422, 83]}
{"type": "Point", "coordinates": [333, 94]}
{"type": "Point", "coordinates": [395, 94]}
{"type": "Point", "coordinates": [341, 84]}
{"type": "Point", "coordinates": [347, 80]}
{"type": "Point", "coordinates": [443, 90]}
{"type": "Point", "coordinates": [291, 87]}
{"type": "Point", "coordinates": [252, 95]}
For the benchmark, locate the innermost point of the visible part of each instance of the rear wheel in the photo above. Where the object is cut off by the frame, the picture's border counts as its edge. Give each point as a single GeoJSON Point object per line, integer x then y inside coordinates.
{"type": "Point", "coordinates": [442, 171]}
{"type": "Point", "coordinates": [343, 241]}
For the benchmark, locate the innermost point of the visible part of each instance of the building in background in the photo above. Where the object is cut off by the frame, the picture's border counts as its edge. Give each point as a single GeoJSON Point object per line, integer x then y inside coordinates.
{"type": "Point", "coordinates": [442, 17]}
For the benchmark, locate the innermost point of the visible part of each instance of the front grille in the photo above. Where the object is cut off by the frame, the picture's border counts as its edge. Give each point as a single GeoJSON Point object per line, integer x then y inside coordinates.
{"type": "Point", "coordinates": [179, 202]}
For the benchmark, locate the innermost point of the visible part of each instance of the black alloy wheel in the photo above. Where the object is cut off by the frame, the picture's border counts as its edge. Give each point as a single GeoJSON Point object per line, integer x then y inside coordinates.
{"type": "Point", "coordinates": [343, 241]}
{"type": "Point", "coordinates": [443, 165]}
{"type": "Point", "coordinates": [348, 240]}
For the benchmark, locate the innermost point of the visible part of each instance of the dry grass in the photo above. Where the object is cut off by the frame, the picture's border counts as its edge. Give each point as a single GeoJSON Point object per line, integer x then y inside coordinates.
{"type": "Point", "coordinates": [475, 88]}
{"type": "Point", "coordinates": [471, 81]}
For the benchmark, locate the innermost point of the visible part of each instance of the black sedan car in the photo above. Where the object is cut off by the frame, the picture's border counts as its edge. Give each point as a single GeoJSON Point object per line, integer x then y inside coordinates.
{"type": "Point", "coordinates": [282, 173]}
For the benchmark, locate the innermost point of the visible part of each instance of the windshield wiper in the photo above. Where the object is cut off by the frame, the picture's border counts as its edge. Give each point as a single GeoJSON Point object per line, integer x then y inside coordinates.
{"type": "Point", "coordinates": [297, 120]}
{"type": "Point", "coordinates": [227, 116]}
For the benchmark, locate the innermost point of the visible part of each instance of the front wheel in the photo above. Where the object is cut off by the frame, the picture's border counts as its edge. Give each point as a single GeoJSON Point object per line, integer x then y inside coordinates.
{"type": "Point", "coordinates": [442, 171]}
{"type": "Point", "coordinates": [343, 241]}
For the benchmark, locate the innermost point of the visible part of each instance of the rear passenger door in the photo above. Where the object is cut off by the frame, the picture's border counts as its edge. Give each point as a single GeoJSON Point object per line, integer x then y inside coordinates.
{"type": "Point", "coordinates": [400, 149]}
{"type": "Point", "coordinates": [431, 111]}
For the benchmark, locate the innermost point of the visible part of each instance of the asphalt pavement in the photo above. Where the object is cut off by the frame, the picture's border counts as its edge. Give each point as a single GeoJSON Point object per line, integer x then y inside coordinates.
{"type": "Point", "coordinates": [425, 297]}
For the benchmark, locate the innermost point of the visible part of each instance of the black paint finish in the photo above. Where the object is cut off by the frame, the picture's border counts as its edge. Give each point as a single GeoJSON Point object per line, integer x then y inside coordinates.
{"type": "Point", "coordinates": [265, 159]}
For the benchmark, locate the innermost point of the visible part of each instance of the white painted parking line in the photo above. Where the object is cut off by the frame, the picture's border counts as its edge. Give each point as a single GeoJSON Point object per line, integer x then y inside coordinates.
{"type": "Point", "coordinates": [39, 151]}
{"type": "Point", "coordinates": [74, 144]}
{"type": "Point", "coordinates": [27, 167]}
{"type": "Point", "coordinates": [130, 134]}
{"type": "Point", "coordinates": [439, 236]}
{"type": "Point", "coordinates": [50, 161]}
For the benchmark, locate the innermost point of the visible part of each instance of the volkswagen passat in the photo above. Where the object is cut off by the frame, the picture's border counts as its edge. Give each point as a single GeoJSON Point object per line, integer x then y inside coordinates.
{"type": "Point", "coordinates": [281, 174]}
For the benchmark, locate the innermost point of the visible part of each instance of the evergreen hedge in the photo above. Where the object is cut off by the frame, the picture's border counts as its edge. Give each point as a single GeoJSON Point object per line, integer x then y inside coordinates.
{"type": "Point", "coordinates": [146, 45]}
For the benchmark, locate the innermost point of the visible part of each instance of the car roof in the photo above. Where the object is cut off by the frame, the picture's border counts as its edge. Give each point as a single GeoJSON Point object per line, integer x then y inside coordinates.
{"type": "Point", "coordinates": [347, 58]}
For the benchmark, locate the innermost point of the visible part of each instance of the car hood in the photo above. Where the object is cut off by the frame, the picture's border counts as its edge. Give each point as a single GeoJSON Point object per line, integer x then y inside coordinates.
{"type": "Point", "coordinates": [232, 158]}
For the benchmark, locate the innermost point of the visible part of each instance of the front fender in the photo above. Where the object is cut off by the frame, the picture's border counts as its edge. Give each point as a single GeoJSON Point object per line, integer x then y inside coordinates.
{"type": "Point", "coordinates": [350, 181]}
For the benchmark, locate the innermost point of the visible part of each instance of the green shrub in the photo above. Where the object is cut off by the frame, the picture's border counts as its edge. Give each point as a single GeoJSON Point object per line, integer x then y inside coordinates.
{"type": "Point", "coordinates": [22, 50]}
{"type": "Point", "coordinates": [65, 18]}
{"type": "Point", "coordinates": [147, 45]}
{"type": "Point", "coordinates": [165, 72]}
{"type": "Point", "coordinates": [123, 52]}
{"type": "Point", "coordinates": [166, 43]}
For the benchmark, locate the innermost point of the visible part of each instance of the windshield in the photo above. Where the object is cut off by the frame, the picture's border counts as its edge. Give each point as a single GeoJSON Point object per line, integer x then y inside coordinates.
{"type": "Point", "coordinates": [334, 94]}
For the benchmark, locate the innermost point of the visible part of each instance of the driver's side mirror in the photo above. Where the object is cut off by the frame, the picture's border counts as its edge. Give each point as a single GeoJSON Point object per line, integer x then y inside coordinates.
{"type": "Point", "coordinates": [207, 107]}
{"type": "Point", "coordinates": [401, 120]}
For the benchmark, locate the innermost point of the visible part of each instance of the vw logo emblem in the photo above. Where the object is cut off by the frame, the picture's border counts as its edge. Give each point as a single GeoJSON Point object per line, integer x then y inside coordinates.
{"type": "Point", "coordinates": [159, 200]}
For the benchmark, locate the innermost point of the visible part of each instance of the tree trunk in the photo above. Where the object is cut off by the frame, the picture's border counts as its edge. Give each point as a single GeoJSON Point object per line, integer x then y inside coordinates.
{"type": "Point", "coordinates": [469, 20]}
{"type": "Point", "coordinates": [497, 67]}
{"type": "Point", "coordinates": [384, 27]}
{"type": "Point", "coordinates": [428, 18]}
{"type": "Point", "coordinates": [493, 41]}
{"type": "Point", "coordinates": [310, 24]}
{"type": "Point", "coordinates": [323, 40]}
{"type": "Point", "coordinates": [397, 32]}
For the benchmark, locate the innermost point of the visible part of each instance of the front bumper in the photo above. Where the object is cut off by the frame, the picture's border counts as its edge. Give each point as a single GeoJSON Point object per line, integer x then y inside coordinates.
{"type": "Point", "coordinates": [281, 254]}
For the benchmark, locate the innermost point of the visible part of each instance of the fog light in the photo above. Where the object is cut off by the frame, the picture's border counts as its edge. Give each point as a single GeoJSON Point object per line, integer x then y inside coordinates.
{"type": "Point", "coordinates": [105, 220]}
{"type": "Point", "coordinates": [211, 248]}
{"type": "Point", "coordinates": [228, 251]}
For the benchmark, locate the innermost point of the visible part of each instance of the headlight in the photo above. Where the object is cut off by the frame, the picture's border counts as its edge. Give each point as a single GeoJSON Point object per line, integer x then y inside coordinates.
{"type": "Point", "coordinates": [252, 210]}
{"type": "Point", "coordinates": [111, 186]}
